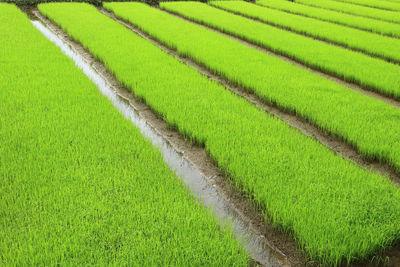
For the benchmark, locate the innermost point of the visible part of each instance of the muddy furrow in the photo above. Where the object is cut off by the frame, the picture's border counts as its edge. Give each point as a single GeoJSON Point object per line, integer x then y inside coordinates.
{"type": "Point", "coordinates": [353, 86]}
{"type": "Point", "coordinates": [267, 246]}
{"type": "Point", "coordinates": [317, 38]}
{"type": "Point", "coordinates": [334, 143]}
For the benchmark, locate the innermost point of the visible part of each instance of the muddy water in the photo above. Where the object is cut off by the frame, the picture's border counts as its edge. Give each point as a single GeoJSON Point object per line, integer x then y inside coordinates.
{"type": "Point", "coordinates": [203, 187]}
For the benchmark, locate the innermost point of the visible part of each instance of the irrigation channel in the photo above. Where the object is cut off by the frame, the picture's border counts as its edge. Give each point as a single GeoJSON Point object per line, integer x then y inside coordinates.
{"type": "Point", "coordinates": [192, 164]}
{"type": "Point", "coordinates": [204, 187]}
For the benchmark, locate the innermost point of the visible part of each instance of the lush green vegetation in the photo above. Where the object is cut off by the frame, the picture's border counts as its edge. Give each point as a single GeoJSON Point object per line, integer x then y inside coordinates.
{"type": "Point", "coordinates": [368, 124]}
{"type": "Point", "coordinates": [94, 2]}
{"type": "Point", "coordinates": [79, 185]}
{"type": "Point", "coordinates": [367, 24]}
{"type": "Point", "coordinates": [352, 66]}
{"type": "Point", "coordinates": [385, 15]}
{"type": "Point", "coordinates": [336, 210]}
{"type": "Point", "coordinates": [34, 2]}
{"type": "Point", "coordinates": [388, 5]}
{"type": "Point", "coordinates": [370, 43]}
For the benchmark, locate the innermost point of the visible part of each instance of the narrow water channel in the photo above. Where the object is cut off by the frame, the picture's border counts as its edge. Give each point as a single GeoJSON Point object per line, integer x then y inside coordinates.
{"type": "Point", "coordinates": [201, 186]}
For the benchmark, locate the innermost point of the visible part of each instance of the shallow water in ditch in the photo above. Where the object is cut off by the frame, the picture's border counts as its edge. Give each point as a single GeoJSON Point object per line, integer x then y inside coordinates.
{"type": "Point", "coordinates": [201, 186]}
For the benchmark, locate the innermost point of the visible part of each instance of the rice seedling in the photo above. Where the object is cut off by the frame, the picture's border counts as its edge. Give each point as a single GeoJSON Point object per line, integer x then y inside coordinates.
{"type": "Point", "coordinates": [355, 67]}
{"type": "Point", "coordinates": [382, 4]}
{"type": "Point", "coordinates": [367, 24]}
{"type": "Point", "coordinates": [79, 184]}
{"type": "Point", "coordinates": [368, 12]}
{"type": "Point", "coordinates": [366, 42]}
{"type": "Point", "coordinates": [336, 210]}
{"type": "Point", "coordinates": [366, 123]}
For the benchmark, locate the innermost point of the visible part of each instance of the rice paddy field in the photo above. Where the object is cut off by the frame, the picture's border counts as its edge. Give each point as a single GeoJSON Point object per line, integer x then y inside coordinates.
{"type": "Point", "coordinates": [182, 133]}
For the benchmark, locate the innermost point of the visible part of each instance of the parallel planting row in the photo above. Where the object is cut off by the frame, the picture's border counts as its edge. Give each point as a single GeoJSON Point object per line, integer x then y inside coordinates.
{"type": "Point", "coordinates": [79, 184]}
{"type": "Point", "coordinates": [368, 12]}
{"type": "Point", "coordinates": [370, 125]}
{"type": "Point", "coordinates": [367, 24]}
{"type": "Point", "coordinates": [337, 211]}
{"type": "Point", "coordinates": [377, 74]}
{"type": "Point", "coordinates": [382, 4]}
{"type": "Point", "coordinates": [366, 42]}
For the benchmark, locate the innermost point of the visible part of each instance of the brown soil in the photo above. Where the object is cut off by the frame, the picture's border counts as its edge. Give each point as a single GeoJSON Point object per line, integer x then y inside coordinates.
{"type": "Point", "coordinates": [284, 247]}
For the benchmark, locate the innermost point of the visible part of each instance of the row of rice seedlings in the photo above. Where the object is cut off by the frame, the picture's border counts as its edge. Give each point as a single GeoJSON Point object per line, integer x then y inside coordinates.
{"type": "Point", "coordinates": [376, 74]}
{"type": "Point", "coordinates": [367, 24]}
{"type": "Point", "coordinates": [370, 125]}
{"type": "Point", "coordinates": [367, 42]}
{"type": "Point", "coordinates": [382, 4]}
{"type": "Point", "coordinates": [337, 211]}
{"type": "Point", "coordinates": [79, 184]}
{"type": "Point", "coordinates": [368, 12]}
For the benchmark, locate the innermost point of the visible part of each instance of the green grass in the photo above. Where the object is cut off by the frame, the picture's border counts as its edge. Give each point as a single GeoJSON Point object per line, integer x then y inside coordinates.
{"type": "Point", "coordinates": [376, 74]}
{"type": "Point", "coordinates": [79, 184]}
{"type": "Point", "coordinates": [34, 2]}
{"type": "Point", "coordinates": [370, 125]}
{"type": "Point", "coordinates": [367, 24]}
{"type": "Point", "coordinates": [369, 43]}
{"type": "Point", "coordinates": [336, 210]}
{"type": "Point", "coordinates": [368, 12]}
{"type": "Point", "coordinates": [382, 4]}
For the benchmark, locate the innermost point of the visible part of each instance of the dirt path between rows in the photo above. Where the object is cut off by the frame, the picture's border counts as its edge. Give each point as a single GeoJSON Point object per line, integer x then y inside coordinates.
{"type": "Point", "coordinates": [284, 248]}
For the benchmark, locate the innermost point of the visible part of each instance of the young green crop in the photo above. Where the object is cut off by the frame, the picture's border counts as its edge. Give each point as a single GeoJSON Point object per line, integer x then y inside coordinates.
{"type": "Point", "coordinates": [382, 4]}
{"type": "Point", "coordinates": [79, 184]}
{"type": "Point", "coordinates": [336, 210]}
{"type": "Point", "coordinates": [352, 66]}
{"type": "Point", "coordinates": [367, 24]}
{"type": "Point", "coordinates": [368, 12]}
{"type": "Point", "coordinates": [371, 126]}
{"type": "Point", "coordinates": [369, 43]}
